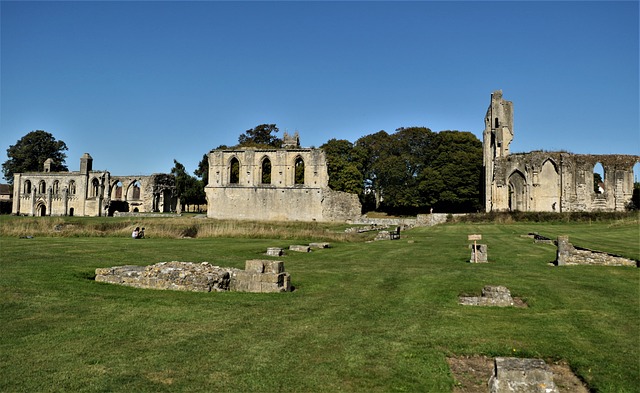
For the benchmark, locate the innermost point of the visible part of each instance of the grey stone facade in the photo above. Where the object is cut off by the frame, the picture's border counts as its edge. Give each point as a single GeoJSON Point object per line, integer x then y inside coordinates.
{"type": "Point", "coordinates": [275, 185]}
{"type": "Point", "coordinates": [90, 193]}
{"type": "Point", "coordinates": [547, 181]}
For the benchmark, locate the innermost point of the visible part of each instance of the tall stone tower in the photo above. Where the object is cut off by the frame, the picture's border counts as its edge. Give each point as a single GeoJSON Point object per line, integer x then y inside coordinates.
{"type": "Point", "coordinates": [497, 136]}
{"type": "Point", "coordinates": [86, 164]}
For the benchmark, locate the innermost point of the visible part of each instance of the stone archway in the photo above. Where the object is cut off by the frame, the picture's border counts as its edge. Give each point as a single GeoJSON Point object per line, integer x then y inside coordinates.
{"type": "Point", "coordinates": [518, 194]}
{"type": "Point", "coordinates": [41, 210]}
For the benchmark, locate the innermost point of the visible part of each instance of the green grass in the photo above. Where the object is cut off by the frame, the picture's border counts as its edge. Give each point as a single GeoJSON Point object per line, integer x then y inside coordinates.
{"type": "Point", "coordinates": [374, 317]}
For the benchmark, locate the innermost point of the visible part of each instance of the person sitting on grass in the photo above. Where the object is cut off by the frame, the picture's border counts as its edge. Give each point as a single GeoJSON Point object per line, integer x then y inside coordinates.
{"type": "Point", "coordinates": [135, 233]}
{"type": "Point", "coordinates": [141, 234]}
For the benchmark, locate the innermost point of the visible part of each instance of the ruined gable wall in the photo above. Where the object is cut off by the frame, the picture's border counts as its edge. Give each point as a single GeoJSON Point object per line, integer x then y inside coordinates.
{"type": "Point", "coordinates": [564, 179]}
{"type": "Point", "coordinates": [281, 199]}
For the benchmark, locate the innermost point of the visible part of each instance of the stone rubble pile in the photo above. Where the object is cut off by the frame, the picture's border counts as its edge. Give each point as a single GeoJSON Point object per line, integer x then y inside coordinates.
{"type": "Point", "coordinates": [492, 295]}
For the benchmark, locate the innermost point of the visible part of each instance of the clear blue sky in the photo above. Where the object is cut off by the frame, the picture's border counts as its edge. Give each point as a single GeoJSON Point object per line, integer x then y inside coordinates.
{"type": "Point", "coordinates": [137, 84]}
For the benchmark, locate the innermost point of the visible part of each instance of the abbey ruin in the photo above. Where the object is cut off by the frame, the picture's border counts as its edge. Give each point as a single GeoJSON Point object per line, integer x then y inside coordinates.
{"type": "Point", "coordinates": [90, 193]}
{"type": "Point", "coordinates": [548, 181]}
{"type": "Point", "coordinates": [290, 183]}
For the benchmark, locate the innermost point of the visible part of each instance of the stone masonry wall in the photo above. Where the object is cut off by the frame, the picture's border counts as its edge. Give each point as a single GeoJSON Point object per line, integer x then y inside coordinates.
{"type": "Point", "coordinates": [567, 254]}
{"type": "Point", "coordinates": [259, 276]}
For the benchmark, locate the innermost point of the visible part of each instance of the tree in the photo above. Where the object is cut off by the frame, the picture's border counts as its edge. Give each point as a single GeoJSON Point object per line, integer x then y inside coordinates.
{"type": "Point", "coordinates": [30, 152]}
{"type": "Point", "coordinates": [203, 169]}
{"type": "Point", "coordinates": [260, 136]}
{"type": "Point", "coordinates": [343, 167]}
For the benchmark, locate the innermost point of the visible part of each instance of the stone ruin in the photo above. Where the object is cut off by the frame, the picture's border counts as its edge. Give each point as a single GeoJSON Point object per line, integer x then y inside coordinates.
{"type": "Point", "coordinates": [568, 254]}
{"type": "Point", "coordinates": [478, 253]}
{"type": "Point", "coordinates": [516, 375]}
{"type": "Point", "coordinates": [492, 295]}
{"type": "Point", "coordinates": [259, 276]}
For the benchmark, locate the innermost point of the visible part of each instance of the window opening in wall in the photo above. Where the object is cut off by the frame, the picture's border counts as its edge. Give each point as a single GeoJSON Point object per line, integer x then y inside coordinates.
{"type": "Point", "coordinates": [266, 171]}
{"type": "Point", "coordinates": [72, 187]}
{"type": "Point", "coordinates": [598, 178]}
{"type": "Point", "coordinates": [56, 187]}
{"type": "Point", "coordinates": [135, 192]}
{"type": "Point", "coordinates": [497, 123]}
{"type": "Point", "coordinates": [27, 187]}
{"type": "Point", "coordinates": [299, 168]}
{"type": "Point", "coordinates": [234, 171]}
{"type": "Point", "coordinates": [635, 198]}
{"type": "Point", "coordinates": [42, 187]}
{"type": "Point", "coordinates": [95, 186]}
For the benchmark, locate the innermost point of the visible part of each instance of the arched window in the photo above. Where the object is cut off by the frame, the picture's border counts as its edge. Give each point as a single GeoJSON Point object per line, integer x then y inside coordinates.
{"type": "Point", "coordinates": [497, 123]}
{"type": "Point", "coordinates": [266, 171]}
{"type": "Point", "coordinates": [42, 187]}
{"type": "Point", "coordinates": [299, 171]}
{"type": "Point", "coordinates": [95, 187]}
{"type": "Point", "coordinates": [117, 191]}
{"type": "Point", "coordinates": [72, 187]}
{"type": "Point", "coordinates": [56, 187]}
{"type": "Point", "coordinates": [234, 171]}
{"type": "Point", "coordinates": [134, 190]}
{"type": "Point", "coordinates": [598, 178]}
{"type": "Point", "coordinates": [27, 187]}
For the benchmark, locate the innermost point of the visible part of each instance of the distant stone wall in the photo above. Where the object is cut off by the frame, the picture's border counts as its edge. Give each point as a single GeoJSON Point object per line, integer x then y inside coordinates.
{"type": "Point", "coordinates": [259, 276]}
{"type": "Point", "coordinates": [567, 254]}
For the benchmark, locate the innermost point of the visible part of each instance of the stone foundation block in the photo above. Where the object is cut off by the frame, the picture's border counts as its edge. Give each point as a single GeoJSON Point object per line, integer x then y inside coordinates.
{"type": "Point", "coordinates": [515, 375]}
{"type": "Point", "coordinates": [275, 251]}
{"type": "Point", "coordinates": [478, 253]}
{"type": "Point", "coordinates": [299, 248]}
{"type": "Point", "coordinates": [319, 245]}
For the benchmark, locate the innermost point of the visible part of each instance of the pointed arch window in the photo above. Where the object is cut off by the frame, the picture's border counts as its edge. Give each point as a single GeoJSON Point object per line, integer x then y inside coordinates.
{"type": "Point", "coordinates": [266, 171]}
{"type": "Point", "coordinates": [234, 171]}
{"type": "Point", "coordinates": [299, 171]}
{"type": "Point", "coordinates": [95, 186]}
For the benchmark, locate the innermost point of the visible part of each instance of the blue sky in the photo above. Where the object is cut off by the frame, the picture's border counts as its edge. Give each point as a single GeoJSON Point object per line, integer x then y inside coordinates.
{"type": "Point", "coordinates": [138, 84]}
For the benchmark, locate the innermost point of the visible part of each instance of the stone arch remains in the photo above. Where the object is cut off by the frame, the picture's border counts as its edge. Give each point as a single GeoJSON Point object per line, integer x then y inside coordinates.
{"type": "Point", "coordinates": [234, 171]}
{"type": "Point", "coordinates": [72, 187]}
{"type": "Point", "coordinates": [27, 187]}
{"type": "Point", "coordinates": [42, 187]}
{"type": "Point", "coordinates": [298, 168]}
{"type": "Point", "coordinates": [548, 198]}
{"type": "Point", "coordinates": [518, 194]}
{"type": "Point", "coordinates": [95, 187]}
{"type": "Point", "coordinates": [265, 172]}
{"type": "Point", "coordinates": [41, 209]}
{"type": "Point", "coordinates": [598, 178]}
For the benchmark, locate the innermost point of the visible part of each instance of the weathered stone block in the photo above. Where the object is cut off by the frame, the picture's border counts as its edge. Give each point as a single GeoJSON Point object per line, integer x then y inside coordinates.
{"type": "Point", "coordinates": [478, 253]}
{"type": "Point", "coordinates": [498, 296]}
{"type": "Point", "coordinates": [515, 375]}
{"type": "Point", "coordinates": [299, 248]}
{"type": "Point", "coordinates": [275, 251]}
{"type": "Point", "coordinates": [319, 245]}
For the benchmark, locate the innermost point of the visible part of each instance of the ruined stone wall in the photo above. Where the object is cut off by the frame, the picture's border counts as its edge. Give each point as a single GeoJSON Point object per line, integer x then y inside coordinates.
{"type": "Point", "coordinates": [88, 192]}
{"type": "Point", "coordinates": [567, 254]}
{"type": "Point", "coordinates": [548, 181]}
{"type": "Point", "coordinates": [263, 276]}
{"type": "Point", "coordinates": [242, 186]}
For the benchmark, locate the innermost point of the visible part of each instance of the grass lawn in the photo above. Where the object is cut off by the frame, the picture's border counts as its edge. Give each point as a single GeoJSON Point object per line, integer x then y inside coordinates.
{"type": "Point", "coordinates": [364, 317]}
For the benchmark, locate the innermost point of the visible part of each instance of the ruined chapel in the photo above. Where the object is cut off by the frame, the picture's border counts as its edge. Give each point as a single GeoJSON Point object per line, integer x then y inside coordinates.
{"type": "Point", "coordinates": [548, 181]}
{"type": "Point", "coordinates": [90, 193]}
{"type": "Point", "coordinates": [290, 183]}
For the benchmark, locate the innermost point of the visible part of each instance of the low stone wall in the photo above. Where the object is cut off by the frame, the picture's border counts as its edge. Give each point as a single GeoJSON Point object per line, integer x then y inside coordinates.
{"type": "Point", "coordinates": [491, 296]}
{"type": "Point", "coordinates": [138, 214]}
{"type": "Point", "coordinates": [567, 254]}
{"type": "Point", "coordinates": [258, 276]}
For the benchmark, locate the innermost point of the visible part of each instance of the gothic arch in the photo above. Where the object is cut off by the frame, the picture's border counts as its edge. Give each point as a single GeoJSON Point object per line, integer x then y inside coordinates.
{"type": "Point", "coordinates": [234, 170]}
{"type": "Point", "coordinates": [265, 170]}
{"type": "Point", "coordinates": [298, 171]}
{"type": "Point", "coordinates": [518, 193]}
{"type": "Point", "coordinates": [548, 192]}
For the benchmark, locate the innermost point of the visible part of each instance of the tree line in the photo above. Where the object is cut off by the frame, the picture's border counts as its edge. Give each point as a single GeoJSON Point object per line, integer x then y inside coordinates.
{"type": "Point", "coordinates": [412, 170]}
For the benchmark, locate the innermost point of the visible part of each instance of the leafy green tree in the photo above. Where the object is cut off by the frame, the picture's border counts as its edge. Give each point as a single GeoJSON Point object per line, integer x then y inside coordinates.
{"type": "Point", "coordinates": [373, 151]}
{"type": "Point", "coordinates": [458, 161]}
{"type": "Point", "coordinates": [202, 171]}
{"type": "Point", "coordinates": [260, 136]}
{"type": "Point", "coordinates": [30, 152]}
{"type": "Point", "coordinates": [343, 167]}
